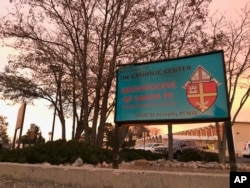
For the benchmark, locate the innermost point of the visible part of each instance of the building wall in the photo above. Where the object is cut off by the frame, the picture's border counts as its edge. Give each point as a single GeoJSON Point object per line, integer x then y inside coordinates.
{"type": "Point", "coordinates": [241, 134]}
{"type": "Point", "coordinates": [240, 130]}
{"type": "Point", "coordinates": [205, 136]}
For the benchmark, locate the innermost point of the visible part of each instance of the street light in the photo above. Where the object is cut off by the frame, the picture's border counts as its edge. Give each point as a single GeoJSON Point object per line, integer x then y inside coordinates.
{"type": "Point", "coordinates": [57, 73]}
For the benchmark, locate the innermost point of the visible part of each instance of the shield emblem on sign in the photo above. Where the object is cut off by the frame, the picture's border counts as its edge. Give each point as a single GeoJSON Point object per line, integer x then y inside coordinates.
{"type": "Point", "coordinates": [201, 90]}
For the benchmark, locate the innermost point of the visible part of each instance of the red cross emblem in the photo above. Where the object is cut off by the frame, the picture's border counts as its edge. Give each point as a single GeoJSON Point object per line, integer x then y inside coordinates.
{"type": "Point", "coordinates": [201, 89]}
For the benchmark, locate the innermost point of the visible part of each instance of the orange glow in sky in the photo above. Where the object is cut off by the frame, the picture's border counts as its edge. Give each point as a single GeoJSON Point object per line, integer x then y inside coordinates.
{"type": "Point", "coordinates": [40, 115]}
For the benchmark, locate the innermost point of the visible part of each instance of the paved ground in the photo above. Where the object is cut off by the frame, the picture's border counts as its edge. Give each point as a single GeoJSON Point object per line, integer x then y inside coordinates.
{"type": "Point", "coordinates": [176, 169]}
{"type": "Point", "coordinates": [7, 183]}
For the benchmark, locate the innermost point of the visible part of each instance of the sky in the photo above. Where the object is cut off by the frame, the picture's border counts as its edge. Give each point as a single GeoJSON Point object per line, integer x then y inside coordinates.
{"type": "Point", "coordinates": [40, 115]}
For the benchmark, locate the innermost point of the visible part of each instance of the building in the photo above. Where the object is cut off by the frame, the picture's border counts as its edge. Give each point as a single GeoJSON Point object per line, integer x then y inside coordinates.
{"type": "Point", "coordinates": [241, 134]}
{"type": "Point", "coordinates": [207, 137]}
{"type": "Point", "coordinates": [240, 130]}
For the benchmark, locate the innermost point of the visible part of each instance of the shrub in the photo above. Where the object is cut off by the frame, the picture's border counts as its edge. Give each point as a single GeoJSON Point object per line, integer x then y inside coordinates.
{"type": "Point", "coordinates": [199, 155]}
{"type": "Point", "coordinates": [57, 152]}
{"type": "Point", "coordinates": [133, 154]}
{"type": "Point", "coordinates": [61, 152]}
{"type": "Point", "coordinates": [210, 156]}
{"type": "Point", "coordinates": [190, 155]}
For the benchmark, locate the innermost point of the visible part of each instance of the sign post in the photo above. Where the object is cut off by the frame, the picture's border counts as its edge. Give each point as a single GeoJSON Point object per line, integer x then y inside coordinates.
{"type": "Point", "coordinates": [116, 147]}
{"type": "Point", "coordinates": [230, 143]}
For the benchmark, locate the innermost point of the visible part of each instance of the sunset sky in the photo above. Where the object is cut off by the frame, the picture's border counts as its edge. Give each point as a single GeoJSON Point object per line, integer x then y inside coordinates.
{"type": "Point", "coordinates": [42, 116]}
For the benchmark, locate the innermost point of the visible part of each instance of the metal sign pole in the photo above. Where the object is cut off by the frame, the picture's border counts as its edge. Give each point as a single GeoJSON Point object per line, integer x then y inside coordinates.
{"type": "Point", "coordinates": [116, 148]}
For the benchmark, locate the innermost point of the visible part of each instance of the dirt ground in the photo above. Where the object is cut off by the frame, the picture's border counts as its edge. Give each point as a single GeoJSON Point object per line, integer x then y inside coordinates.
{"type": "Point", "coordinates": [142, 165]}
{"type": "Point", "coordinates": [177, 169]}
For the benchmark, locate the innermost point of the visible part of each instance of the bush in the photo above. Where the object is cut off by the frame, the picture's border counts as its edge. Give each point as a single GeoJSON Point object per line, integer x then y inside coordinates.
{"type": "Point", "coordinates": [135, 154]}
{"type": "Point", "coordinates": [210, 156]}
{"type": "Point", "coordinates": [199, 155]}
{"type": "Point", "coordinates": [57, 152]}
{"type": "Point", "coordinates": [61, 152]}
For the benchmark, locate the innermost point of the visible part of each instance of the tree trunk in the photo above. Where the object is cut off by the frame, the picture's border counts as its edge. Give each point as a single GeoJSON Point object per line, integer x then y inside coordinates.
{"type": "Point", "coordinates": [63, 125]}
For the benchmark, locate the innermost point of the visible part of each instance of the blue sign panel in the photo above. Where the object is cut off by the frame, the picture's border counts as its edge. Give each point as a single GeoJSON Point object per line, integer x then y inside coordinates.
{"type": "Point", "coordinates": [188, 89]}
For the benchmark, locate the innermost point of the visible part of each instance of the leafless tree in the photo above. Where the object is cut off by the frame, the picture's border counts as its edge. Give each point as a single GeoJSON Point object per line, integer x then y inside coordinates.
{"type": "Point", "coordinates": [237, 56]}
{"type": "Point", "coordinates": [77, 45]}
{"type": "Point", "coordinates": [233, 37]}
{"type": "Point", "coordinates": [69, 51]}
{"type": "Point", "coordinates": [176, 29]}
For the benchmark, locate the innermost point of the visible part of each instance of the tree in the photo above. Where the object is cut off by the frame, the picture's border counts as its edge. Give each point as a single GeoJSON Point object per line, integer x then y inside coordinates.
{"type": "Point", "coordinates": [83, 40]}
{"type": "Point", "coordinates": [33, 136]}
{"type": "Point", "coordinates": [236, 45]}
{"type": "Point", "coordinates": [109, 135]}
{"type": "Point", "coordinates": [4, 140]}
{"type": "Point", "coordinates": [237, 50]}
{"type": "Point", "coordinates": [69, 51]}
{"type": "Point", "coordinates": [177, 28]}
{"type": "Point", "coordinates": [154, 131]}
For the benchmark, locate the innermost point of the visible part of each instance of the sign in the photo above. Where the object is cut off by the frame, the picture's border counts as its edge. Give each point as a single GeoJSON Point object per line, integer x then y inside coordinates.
{"type": "Point", "coordinates": [239, 179]}
{"type": "Point", "coordinates": [20, 116]}
{"type": "Point", "coordinates": [187, 89]}
{"type": "Point", "coordinates": [19, 125]}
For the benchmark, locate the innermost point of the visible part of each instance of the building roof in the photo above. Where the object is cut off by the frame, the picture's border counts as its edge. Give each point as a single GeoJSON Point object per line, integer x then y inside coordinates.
{"type": "Point", "coordinates": [187, 137]}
